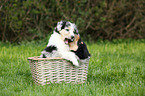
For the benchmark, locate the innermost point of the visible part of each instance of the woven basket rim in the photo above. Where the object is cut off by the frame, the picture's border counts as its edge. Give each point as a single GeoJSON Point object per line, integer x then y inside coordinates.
{"type": "Point", "coordinates": [37, 58]}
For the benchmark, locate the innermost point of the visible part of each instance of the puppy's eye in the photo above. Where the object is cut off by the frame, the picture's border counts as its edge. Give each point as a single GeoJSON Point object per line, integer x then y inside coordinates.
{"type": "Point", "coordinates": [67, 29]}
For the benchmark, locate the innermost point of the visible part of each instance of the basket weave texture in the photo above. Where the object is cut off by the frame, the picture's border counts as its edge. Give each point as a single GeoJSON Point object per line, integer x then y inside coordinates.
{"type": "Point", "coordinates": [57, 70]}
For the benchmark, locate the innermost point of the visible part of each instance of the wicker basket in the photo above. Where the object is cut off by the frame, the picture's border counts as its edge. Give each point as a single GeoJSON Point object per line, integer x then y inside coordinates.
{"type": "Point", "coordinates": [57, 70]}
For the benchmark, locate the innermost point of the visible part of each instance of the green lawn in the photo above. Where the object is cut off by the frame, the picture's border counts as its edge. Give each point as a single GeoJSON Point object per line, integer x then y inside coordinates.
{"type": "Point", "coordinates": [116, 69]}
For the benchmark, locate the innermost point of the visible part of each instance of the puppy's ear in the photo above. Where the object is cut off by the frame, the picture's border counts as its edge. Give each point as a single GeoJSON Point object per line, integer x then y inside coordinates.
{"type": "Point", "coordinates": [59, 25]}
{"type": "Point", "coordinates": [75, 29]}
{"type": "Point", "coordinates": [77, 37]}
{"type": "Point", "coordinates": [56, 30]}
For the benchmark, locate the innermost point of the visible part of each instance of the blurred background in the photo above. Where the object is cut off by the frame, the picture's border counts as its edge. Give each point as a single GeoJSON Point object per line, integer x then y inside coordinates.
{"type": "Point", "coordinates": [27, 20]}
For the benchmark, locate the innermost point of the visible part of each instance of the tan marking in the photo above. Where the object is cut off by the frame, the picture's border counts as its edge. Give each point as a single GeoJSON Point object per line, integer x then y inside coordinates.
{"type": "Point", "coordinates": [73, 45]}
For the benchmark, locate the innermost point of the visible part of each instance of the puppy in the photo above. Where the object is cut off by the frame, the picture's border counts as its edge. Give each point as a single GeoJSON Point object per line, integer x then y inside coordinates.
{"type": "Point", "coordinates": [79, 48]}
{"type": "Point", "coordinates": [58, 46]}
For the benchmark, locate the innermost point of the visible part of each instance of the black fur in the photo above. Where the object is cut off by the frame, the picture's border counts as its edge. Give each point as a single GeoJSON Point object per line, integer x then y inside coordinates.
{"type": "Point", "coordinates": [82, 51]}
{"type": "Point", "coordinates": [50, 48]}
{"type": "Point", "coordinates": [75, 32]}
{"type": "Point", "coordinates": [56, 30]}
{"type": "Point", "coordinates": [63, 25]}
{"type": "Point", "coordinates": [44, 56]}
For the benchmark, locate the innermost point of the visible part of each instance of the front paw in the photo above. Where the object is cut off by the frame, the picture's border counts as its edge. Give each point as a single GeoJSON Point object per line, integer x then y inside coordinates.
{"type": "Point", "coordinates": [75, 63]}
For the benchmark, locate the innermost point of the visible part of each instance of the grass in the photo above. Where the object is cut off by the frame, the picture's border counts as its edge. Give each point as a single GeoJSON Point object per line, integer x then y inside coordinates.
{"type": "Point", "coordinates": [116, 68]}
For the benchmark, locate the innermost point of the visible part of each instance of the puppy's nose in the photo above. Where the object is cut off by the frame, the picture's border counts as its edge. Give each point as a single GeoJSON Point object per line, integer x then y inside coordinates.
{"type": "Point", "coordinates": [72, 37]}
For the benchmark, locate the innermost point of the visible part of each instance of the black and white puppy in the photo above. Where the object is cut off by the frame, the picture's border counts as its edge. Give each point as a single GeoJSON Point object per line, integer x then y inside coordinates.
{"type": "Point", "coordinates": [58, 45]}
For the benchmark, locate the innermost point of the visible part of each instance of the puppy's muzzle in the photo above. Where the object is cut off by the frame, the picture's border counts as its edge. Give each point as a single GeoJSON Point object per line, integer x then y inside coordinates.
{"type": "Point", "coordinates": [68, 40]}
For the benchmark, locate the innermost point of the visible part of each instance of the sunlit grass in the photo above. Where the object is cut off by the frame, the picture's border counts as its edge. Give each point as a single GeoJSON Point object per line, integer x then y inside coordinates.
{"type": "Point", "coordinates": [116, 68]}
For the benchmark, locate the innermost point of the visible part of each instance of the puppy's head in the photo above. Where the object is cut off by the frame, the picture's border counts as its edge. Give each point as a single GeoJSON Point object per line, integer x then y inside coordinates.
{"type": "Point", "coordinates": [67, 30]}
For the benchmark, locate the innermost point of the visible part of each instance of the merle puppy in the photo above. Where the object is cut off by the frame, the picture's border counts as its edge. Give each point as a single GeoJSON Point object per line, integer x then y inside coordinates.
{"type": "Point", "coordinates": [58, 46]}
